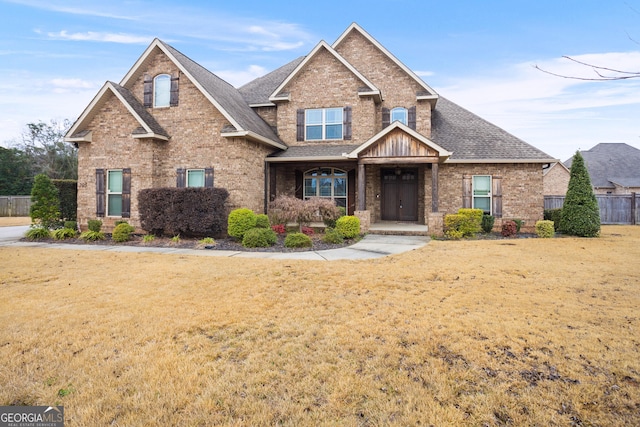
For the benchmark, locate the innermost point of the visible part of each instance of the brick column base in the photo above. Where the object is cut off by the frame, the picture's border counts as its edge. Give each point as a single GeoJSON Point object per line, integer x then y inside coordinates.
{"type": "Point", "coordinates": [436, 223]}
{"type": "Point", "coordinates": [365, 220]}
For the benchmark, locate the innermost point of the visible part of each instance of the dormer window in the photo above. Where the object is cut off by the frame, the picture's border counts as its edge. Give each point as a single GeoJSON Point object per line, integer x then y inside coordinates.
{"type": "Point", "coordinates": [400, 114]}
{"type": "Point", "coordinates": [161, 90]}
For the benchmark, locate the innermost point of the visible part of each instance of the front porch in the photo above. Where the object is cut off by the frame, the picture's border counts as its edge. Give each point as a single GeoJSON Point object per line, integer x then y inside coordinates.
{"type": "Point", "coordinates": [399, 228]}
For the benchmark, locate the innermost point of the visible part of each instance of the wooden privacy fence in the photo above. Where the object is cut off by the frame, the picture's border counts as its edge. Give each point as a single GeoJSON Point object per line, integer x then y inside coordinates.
{"type": "Point", "coordinates": [614, 209]}
{"type": "Point", "coordinates": [15, 205]}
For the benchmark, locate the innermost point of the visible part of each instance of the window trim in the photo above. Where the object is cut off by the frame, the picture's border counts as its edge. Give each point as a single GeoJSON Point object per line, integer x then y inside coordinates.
{"type": "Point", "coordinates": [166, 89]}
{"type": "Point", "coordinates": [324, 123]}
{"type": "Point", "coordinates": [405, 112]}
{"type": "Point", "coordinates": [109, 193]}
{"type": "Point", "coordinates": [488, 196]}
{"type": "Point", "coordinates": [343, 175]}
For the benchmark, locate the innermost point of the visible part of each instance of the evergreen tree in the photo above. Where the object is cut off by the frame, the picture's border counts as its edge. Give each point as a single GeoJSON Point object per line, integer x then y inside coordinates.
{"type": "Point", "coordinates": [580, 212]}
{"type": "Point", "coordinates": [16, 178]}
{"type": "Point", "coordinates": [44, 202]}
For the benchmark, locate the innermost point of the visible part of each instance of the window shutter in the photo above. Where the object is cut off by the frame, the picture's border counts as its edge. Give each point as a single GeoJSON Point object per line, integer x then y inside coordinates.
{"type": "Point", "coordinates": [300, 125]}
{"type": "Point", "coordinates": [347, 123]}
{"type": "Point", "coordinates": [412, 117]}
{"type": "Point", "coordinates": [181, 178]}
{"type": "Point", "coordinates": [126, 193]}
{"type": "Point", "coordinates": [208, 177]}
{"type": "Point", "coordinates": [496, 183]}
{"type": "Point", "coordinates": [173, 101]}
{"type": "Point", "coordinates": [148, 91]}
{"type": "Point", "coordinates": [100, 195]}
{"type": "Point", "coordinates": [466, 191]}
{"type": "Point", "coordinates": [386, 117]}
{"type": "Point", "coordinates": [299, 185]}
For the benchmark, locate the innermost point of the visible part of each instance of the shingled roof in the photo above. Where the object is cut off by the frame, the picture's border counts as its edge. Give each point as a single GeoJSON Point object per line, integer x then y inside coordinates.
{"type": "Point", "coordinates": [257, 91]}
{"type": "Point", "coordinates": [472, 138]}
{"type": "Point", "coordinates": [611, 164]}
{"type": "Point", "coordinates": [144, 114]}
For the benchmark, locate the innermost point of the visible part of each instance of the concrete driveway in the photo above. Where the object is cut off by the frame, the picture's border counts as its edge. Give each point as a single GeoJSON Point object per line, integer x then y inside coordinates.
{"type": "Point", "coordinates": [12, 234]}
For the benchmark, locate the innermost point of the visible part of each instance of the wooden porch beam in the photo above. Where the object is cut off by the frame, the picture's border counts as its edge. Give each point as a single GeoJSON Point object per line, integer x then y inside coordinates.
{"type": "Point", "coordinates": [361, 187]}
{"type": "Point", "coordinates": [397, 160]}
{"type": "Point", "coordinates": [434, 188]}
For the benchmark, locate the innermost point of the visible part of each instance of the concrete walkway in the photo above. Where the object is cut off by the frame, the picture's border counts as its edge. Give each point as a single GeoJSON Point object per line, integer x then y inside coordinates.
{"type": "Point", "coordinates": [371, 246]}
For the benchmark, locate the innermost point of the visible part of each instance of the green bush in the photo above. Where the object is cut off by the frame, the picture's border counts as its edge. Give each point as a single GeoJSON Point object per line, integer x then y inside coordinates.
{"type": "Point", "coordinates": [259, 238]}
{"type": "Point", "coordinates": [240, 221]}
{"type": "Point", "coordinates": [487, 223]}
{"type": "Point", "coordinates": [297, 240]}
{"type": "Point", "coordinates": [509, 228]}
{"type": "Point", "coordinates": [262, 221]}
{"type": "Point", "coordinates": [580, 211]}
{"type": "Point", "coordinates": [466, 223]}
{"type": "Point", "coordinates": [71, 224]}
{"type": "Point", "coordinates": [333, 236]}
{"type": "Point", "coordinates": [44, 202]}
{"type": "Point", "coordinates": [553, 215]}
{"type": "Point", "coordinates": [94, 225]}
{"type": "Point", "coordinates": [148, 238]}
{"type": "Point", "coordinates": [122, 232]}
{"type": "Point", "coordinates": [64, 233]}
{"type": "Point", "coordinates": [453, 224]}
{"type": "Point", "coordinates": [68, 195]}
{"type": "Point", "coordinates": [519, 224]}
{"type": "Point", "coordinates": [92, 236]}
{"type": "Point", "coordinates": [37, 232]}
{"type": "Point", "coordinates": [348, 226]}
{"type": "Point", "coordinates": [545, 229]}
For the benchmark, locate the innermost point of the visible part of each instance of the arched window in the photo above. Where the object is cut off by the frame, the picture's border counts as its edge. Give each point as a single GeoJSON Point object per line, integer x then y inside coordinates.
{"type": "Point", "coordinates": [330, 183]}
{"type": "Point", "coordinates": [161, 90]}
{"type": "Point", "coordinates": [400, 114]}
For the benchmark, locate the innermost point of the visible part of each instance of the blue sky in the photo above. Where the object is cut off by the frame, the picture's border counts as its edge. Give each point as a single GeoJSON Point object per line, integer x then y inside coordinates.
{"type": "Point", "coordinates": [55, 55]}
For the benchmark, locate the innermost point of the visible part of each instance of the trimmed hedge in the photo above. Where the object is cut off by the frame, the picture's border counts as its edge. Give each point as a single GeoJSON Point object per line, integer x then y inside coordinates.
{"type": "Point", "coordinates": [466, 223]}
{"type": "Point", "coordinates": [122, 232]}
{"type": "Point", "coordinates": [191, 212]}
{"type": "Point", "coordinates": [297, 240]}
{"type": "Point", "coordinates": [240, 221]}
{"type": "Point", "coordinates": [348, 226]}
{"type": "Point", "coordinates": [545, 229]}
{"type": "Point", "coordinates": [259, 238]}
{"type": "Point", "coordinates": [262, 221]}
{"type": "Point", "coordinates": [553, 215]}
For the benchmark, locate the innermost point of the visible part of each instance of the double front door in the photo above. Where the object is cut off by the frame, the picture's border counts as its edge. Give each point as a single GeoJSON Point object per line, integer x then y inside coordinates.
{"type": "Point", "coordinates": [399, 194]}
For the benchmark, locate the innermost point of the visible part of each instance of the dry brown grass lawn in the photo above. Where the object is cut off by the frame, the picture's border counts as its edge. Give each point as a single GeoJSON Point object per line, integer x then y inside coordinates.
{"type": "Point", "coordinates": [504, 332]}
{"type": "Point", "coordinates": [12, 221]}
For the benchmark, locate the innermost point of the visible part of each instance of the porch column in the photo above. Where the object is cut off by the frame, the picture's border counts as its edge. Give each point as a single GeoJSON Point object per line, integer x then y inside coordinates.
{"type": "Point", "coordinates": [434, 187]}
{"type": "Point", "coordinates": [361, 187]}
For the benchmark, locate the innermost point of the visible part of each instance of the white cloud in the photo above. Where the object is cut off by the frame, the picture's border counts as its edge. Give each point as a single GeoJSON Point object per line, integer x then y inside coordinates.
{"type": "Point", "coordinates": [424, 73]}
{"type": "Point", "coordinates": [100, 37]}
{"type": "Point", "coordinates": [239, 77]}
{"type": "Point", "coordinates": [82, 9]}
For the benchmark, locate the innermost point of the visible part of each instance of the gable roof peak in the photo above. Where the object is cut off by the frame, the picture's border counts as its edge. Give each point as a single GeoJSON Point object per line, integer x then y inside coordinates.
{"type": "Point", "coordinates": [428, 94]}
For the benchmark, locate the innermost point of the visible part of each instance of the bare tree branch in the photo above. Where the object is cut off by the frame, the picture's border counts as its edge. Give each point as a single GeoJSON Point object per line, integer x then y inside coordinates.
{"type": "Point", "coordinates": [622, 75]}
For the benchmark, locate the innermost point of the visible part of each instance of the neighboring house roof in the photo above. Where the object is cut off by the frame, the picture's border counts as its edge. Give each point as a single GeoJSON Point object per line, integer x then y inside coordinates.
{"type": "Point", "coordinates": [472, 139]}
{"type": "Point", "coordinates": [369, 89]}
{"type": "Point", "coordinates": [428, 93]}
{"type": "Point", "coordinates": [611, 164]}
{"type": "Point", "coordinates": [553, 165]}
{"type": "Point", "coordinates": [149, 127]}
{"type": "Point", "coordinates": [257, 91]}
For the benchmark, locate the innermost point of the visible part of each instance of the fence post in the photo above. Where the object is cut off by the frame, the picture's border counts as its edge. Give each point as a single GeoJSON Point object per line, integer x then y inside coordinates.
{"type": "Point", "coordinates": [633, 208]}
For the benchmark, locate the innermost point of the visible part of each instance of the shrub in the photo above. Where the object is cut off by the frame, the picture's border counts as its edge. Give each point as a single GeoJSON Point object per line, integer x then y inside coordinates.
{"type": "Point", "coordinates": [279, 228]}
{"type": "Point", "coordinates": [175, 239]}
{"type": "Point", "coordinates": [240, 221]}
{"type": "Point", "coordinates": [68, 195]}
{"type": "Point", "coordinates": [286, 209]}
{"type": "Point", "coordinates": [259, 238]}
{"type": "Point", "coordinates": [148, 238]}
{"type": "Point", "coordinates": [94, 225]}
{"type": "Point", "coordinates": [45, 203]}
{"type": "Point", "coordinates": [197, 212]}
{"type": "Point", "coordinates": [331, 235]}
{"type": "Point", "coordinates": [487, 223]}
{"type": "Point", "coordinates": [308, 231]}
{"type": "Point", "coordinates": [453, 224]}
{"type": "Point", "coordinates": [509, 228]}
{"type": "Point", "coordinates": [553, 215]}
{"type": "Point", "coordinates": [297, 240]}
{"type": "Point", "coordinates": [519, 223]}
{"type": "Point", "coordinates": [37, 232]}
{"type": "Point", "coordinates": [262, 221]}
{"type": "Point", "coordinates": [348, 226]}
{"type": "Point", "coordinates": [122, 232]}
{"type": "Point", "coordinates": [92, 236]}
{"type": "Point", "coordinates": [64, 233]}
{"type": "Point", "coordinates": [466, 223]}
{"type": "Point", "coordinates": [545, 229]}
{"type": "Point", "coordinates": [71, 224]}
{"type": "Point", "coordinates": [580, 211]}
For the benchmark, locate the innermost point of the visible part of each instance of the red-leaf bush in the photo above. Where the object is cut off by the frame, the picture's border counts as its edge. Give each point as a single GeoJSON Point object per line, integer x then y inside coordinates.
{"type": "Point", "coordinates": [509, 228]}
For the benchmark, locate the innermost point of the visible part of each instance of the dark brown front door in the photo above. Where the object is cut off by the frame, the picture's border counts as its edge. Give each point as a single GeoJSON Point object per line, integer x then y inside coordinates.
{"type": "Point", "coordinates": [399, 195]}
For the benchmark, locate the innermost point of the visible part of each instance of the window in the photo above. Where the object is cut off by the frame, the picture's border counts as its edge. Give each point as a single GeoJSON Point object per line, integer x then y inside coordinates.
{"type": "Point", "coordinates": [114, 193]}
{"type": "Point", "coordinates": [400, 114]}
{"type": "Point", "coordinates": [482, 193]}
{"type": "Point", "coordinates": [195, 177]}
{"type": "Point", "coordinates": [328, 183]}
{"type": "Point", "coordinates": [323, 123]}
{"type": "Point", "coordinates": [162, 90]}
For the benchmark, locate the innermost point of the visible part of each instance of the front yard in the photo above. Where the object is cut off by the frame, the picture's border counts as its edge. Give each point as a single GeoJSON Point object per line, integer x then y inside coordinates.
{"type": "Point", "coordinates": [477, 332]}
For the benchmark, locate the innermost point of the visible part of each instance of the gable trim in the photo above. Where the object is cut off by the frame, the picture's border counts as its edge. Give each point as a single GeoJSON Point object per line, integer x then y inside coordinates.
{"type": "Point", "coordinates": [430, 95]}
{"type": "Point", "coordinates": [253, 136]}
{"type": "Point", "coordinates": [442, 153]}
{"type": "Point", "coordinates": [373, 90]}
{"type": "Point", "coordinates": [89, 113]}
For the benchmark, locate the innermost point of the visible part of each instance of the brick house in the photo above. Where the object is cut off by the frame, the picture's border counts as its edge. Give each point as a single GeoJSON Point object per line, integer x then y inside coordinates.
{"type": "Point", "coordinates": [348, 121]}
